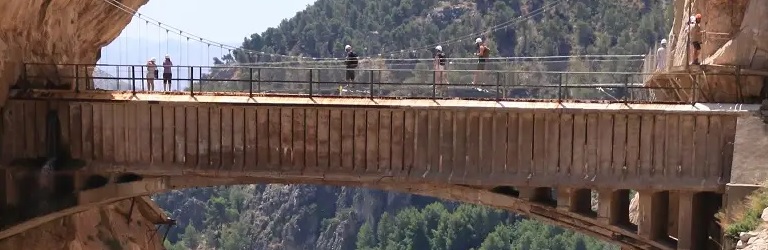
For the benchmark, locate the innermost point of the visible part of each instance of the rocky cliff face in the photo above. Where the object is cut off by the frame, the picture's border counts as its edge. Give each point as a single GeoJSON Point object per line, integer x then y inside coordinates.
{"type": "Point", "coordinates": [736, 34]}
{"type": "Point", "coordinates": [101, 228]}
{"type": "Point", "coordinates": [55, 32]}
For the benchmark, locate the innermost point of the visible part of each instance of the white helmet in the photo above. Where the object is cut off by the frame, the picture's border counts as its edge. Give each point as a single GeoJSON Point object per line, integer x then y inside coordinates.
{"type": "Point", "coordinates": [167, 56]}
{"type": "Point", "coordinates": [439, 48]}
{"type": "Point", "coordinates": [348, 47]}
{"type": "Point", "coordinates": [478, 40]}
{"type": "Point", "coordinates": [152, 59]}
{"type": "Point", "coordinates": [663, 41]}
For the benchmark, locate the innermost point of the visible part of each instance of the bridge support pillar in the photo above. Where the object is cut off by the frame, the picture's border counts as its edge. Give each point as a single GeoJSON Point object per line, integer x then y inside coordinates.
{"type": "Point", "coordinates": [613, 206]}
{"type": "Point", "coordinates": [574, 200]}
{"type": "Point", "coordinates": [690, 231]}
{"type": "Point", "coordinates": [653, 213]}
{"type": "Point", "coordinates": [538, 194]}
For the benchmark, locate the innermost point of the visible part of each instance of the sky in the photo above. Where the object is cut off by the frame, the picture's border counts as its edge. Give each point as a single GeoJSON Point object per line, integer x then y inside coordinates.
{"type": "Point", "coordinates": [222, 21]}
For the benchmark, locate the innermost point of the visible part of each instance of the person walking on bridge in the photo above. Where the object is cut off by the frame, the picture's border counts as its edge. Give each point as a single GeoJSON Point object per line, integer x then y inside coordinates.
{"type": "Point", "coordinates": [694, 34]}
{"type": "Point", "coordinates": [439, 65]}
{"type": "Point", "coordinates": [661, 56]}
{"type": "Point", "coordinates": [167, 73]}
{"type": "Point", "coordinates": [151, 68]}
{"type": "Point", "coordinates": [351, 64]}
{"type": "Point", "coordinates": [482, 56]}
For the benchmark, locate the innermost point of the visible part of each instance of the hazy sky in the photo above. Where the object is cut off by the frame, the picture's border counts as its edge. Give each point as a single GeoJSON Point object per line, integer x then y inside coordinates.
{"type": "Point", "coordinates": [223, 21]}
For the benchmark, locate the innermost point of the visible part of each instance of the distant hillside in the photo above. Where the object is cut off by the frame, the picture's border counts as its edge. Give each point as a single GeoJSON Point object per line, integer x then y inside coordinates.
{"type": "Point", "coordinates": [323, 217]}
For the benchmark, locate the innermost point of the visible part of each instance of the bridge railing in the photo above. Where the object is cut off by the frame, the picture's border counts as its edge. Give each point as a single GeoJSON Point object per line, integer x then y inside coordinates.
{"type": "Point", "coordinates": [420, 82]}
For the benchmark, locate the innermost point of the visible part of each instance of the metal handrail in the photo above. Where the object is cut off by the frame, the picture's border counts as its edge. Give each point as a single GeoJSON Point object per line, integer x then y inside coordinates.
{"type": "Point", "coordinates": [622, 87]}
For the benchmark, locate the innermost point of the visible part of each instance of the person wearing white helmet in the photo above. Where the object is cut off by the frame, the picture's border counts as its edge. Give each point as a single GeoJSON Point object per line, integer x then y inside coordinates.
{"type": "Point", "coordinates": [151, 69]}
{"type": "Point", "coordinates": [351, 64]}
{"type": "Point", "coordinates": [482, 54]}
{"type": "Point", "coordinates": [661, 56]}
{"type": "Point", "coordinates": [695, 37]}
{"type": "Point", "coordinates": [167, 74]}
{"type": "Point", "coordinates": [439, 64]}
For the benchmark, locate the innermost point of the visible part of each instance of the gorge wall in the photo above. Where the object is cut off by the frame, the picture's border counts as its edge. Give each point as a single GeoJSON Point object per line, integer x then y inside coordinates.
{"type": "Point", "coordinates": [735, 34]}
{"type": "Point", "coordinates": [55, 32]}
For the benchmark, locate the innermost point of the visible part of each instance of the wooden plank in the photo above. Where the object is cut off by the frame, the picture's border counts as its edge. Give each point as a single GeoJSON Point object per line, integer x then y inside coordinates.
{"type": "Point", "coordinates": [539, 167]}
{"type": "Point", "coordinates": [385, 141]}
{"type": "Point", "coordinates": [203, 137]}
{"type": "Point", "coordinates": [525, 145]}
{"type": "Point", "coordinates": [459, 147]}
{"type": "Point", "coordinates": [420, 168]}
{"type": "Point", "coordinates": [336, 144]}
{"type": "Point", "coordinates": [215, 141]}
{"type": "Point", "coordinates": [155, 134]}
{"type": "Point", "coordinates": [566, 147]}
{"type": "Point", "coordinates": [687, 130]}
{"type": "Point", "coordinates": [144, 133]}
{"type": "Point", "coordinates": [132, 153]}
{"type": "Point", "coordinates": [591, 155]}
{"type": "Point", "coordinates": [299, 139]}
{"type": "Point", "coordinates": [253, 152]}
{"type": "Point", "coordinates": [433, 147]}
{"type": "Point", "coordinates": [446, 144]}
{"type": "Point", "coordinates": [76, 130]}
{"type": "Point", "coordinates": [10, 130]}
{"type": "Point", "coordinates": [727, 147]}
{"type": "Point", "coordinates": [499, 134]}
{"type": "Point", "coordinates": [347, 140]}
{"type": "Point", "coordinates": [700, 154]}
{"type": "Point", "coordinates": [87, 135]}
{"type": "Point", "coordinates": [605, 129]}
{"type": "Point", "coordinates": [512, 165]}
{"type": "Point", "coordinates": [41, 116]}
{"type": "Point", "coordinates": [274, 134]}
{"type": "Point", "coordinates": [179, 133]}
{"type": "Point", "coordinates": [619, 148]}
{"type": "Point", "coordinates": [324, 139]}
{"type": "Point", "coordinates": [63, 110]}
{"type": "Point", "coordinates": [238, 138]}
{"type": "Point", "coordinates": [372, 141]}
{"type": "Point", "coordinates": [310, 140]}
{"type": "Point", "coordinates": [633, 145]}
{"type": "Point", "coordinates": [359, 149]}
{"type": "Point", "coordinates": [263, 139]}
{"type": "Point", "coordinates": [579, 169]}
{"type": "Point", "coordinates": [97, 130]}
{"type": "Point", "coordinates": [398, 142]}
{"type": "Point", "coordinates": [227, 152]}
{"type": "Point", "coordinates": [672, 157]}
{"type": "Point", "coordinates": [108, 132]}
{"type": "Point", "coordinates": [472, 166]}
{"type": "Point", "coordinates": [286, 139]}
{"type": "Point", "coordinates": [28, 129]}
{"type": "Point", "coordinates": [486, 147]}
{"type": "Point", "coordinates": [714, 149]}
{"type": "Point", "coordinates": [168, 147]}
{"type": "Point", "coordinates": [659, 145]}
{"type": "Point", "coordinates": [191, 155]}
{"type": "Point", "coordinates": [409, 140]}
{"type": "Point", "coordinates": [121, 132]}
{"type": "Point", "coordinates": [647, 125]}
{"type": "Point", "coordinates": [552, 144]}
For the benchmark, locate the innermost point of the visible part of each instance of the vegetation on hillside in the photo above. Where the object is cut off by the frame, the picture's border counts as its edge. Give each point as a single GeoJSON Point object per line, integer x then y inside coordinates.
{"type": "Point", "coordinates": [323, 217]}
{"type": "Point", "coordinates": [746, 216]}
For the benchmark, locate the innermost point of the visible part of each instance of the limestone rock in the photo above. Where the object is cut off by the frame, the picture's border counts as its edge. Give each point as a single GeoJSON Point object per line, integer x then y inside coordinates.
{"type": "Point", "coordinates": [99, 228]}
{"type": "Point", "coordinates": [745, 236]}
{"type": "Point", "coordinates": [55, 32]}
{"type": "Point", "coordinates": [764, 216]}
{"type": "Point", "coordinates": [736, 34]}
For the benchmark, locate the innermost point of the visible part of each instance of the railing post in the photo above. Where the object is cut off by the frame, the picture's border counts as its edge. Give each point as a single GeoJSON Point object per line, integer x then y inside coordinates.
{"type": "Point", "coordinates": [498, 86]}
{"type": "Point", "coordinates": [250, 82]}
{"type": "Point", "coordinates": [626, 88]}
{"type": "Point", "coordinates": [77, 79]}
{"type": "Point", "coordinates": [191, 80]}
{"type": "Point", "coordinates": [560, 87]}
{"type": "Point", "coordinates": [258, 80]}
{"type": "Point", "coordinates": [133, 79]}
{"type": "Point", "coordinates": [310, 83]}
{"type": "Point", "coordinates": [370, 87]}
{"type": "Point", "coordinates": [738, 84]}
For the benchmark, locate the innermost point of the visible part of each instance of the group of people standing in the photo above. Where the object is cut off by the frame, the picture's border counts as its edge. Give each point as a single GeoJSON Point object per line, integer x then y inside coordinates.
{"type": "Point", "coordinates": [695, 34]}
{"type": "Point", "coordinates": [440, 60]}
{"type": "Point", "coordinates": [153, 73]}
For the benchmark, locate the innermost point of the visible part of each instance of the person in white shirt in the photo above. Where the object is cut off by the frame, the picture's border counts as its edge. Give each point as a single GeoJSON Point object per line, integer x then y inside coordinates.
{"type": "Point", "coordinates": [661, 56]}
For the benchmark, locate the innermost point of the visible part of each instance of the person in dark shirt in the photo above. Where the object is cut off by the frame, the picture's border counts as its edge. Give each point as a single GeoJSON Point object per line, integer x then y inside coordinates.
{"type": "Point", "coordinates": [439, 64]}
{"type": "Point", "coordinates": [351, 63]}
